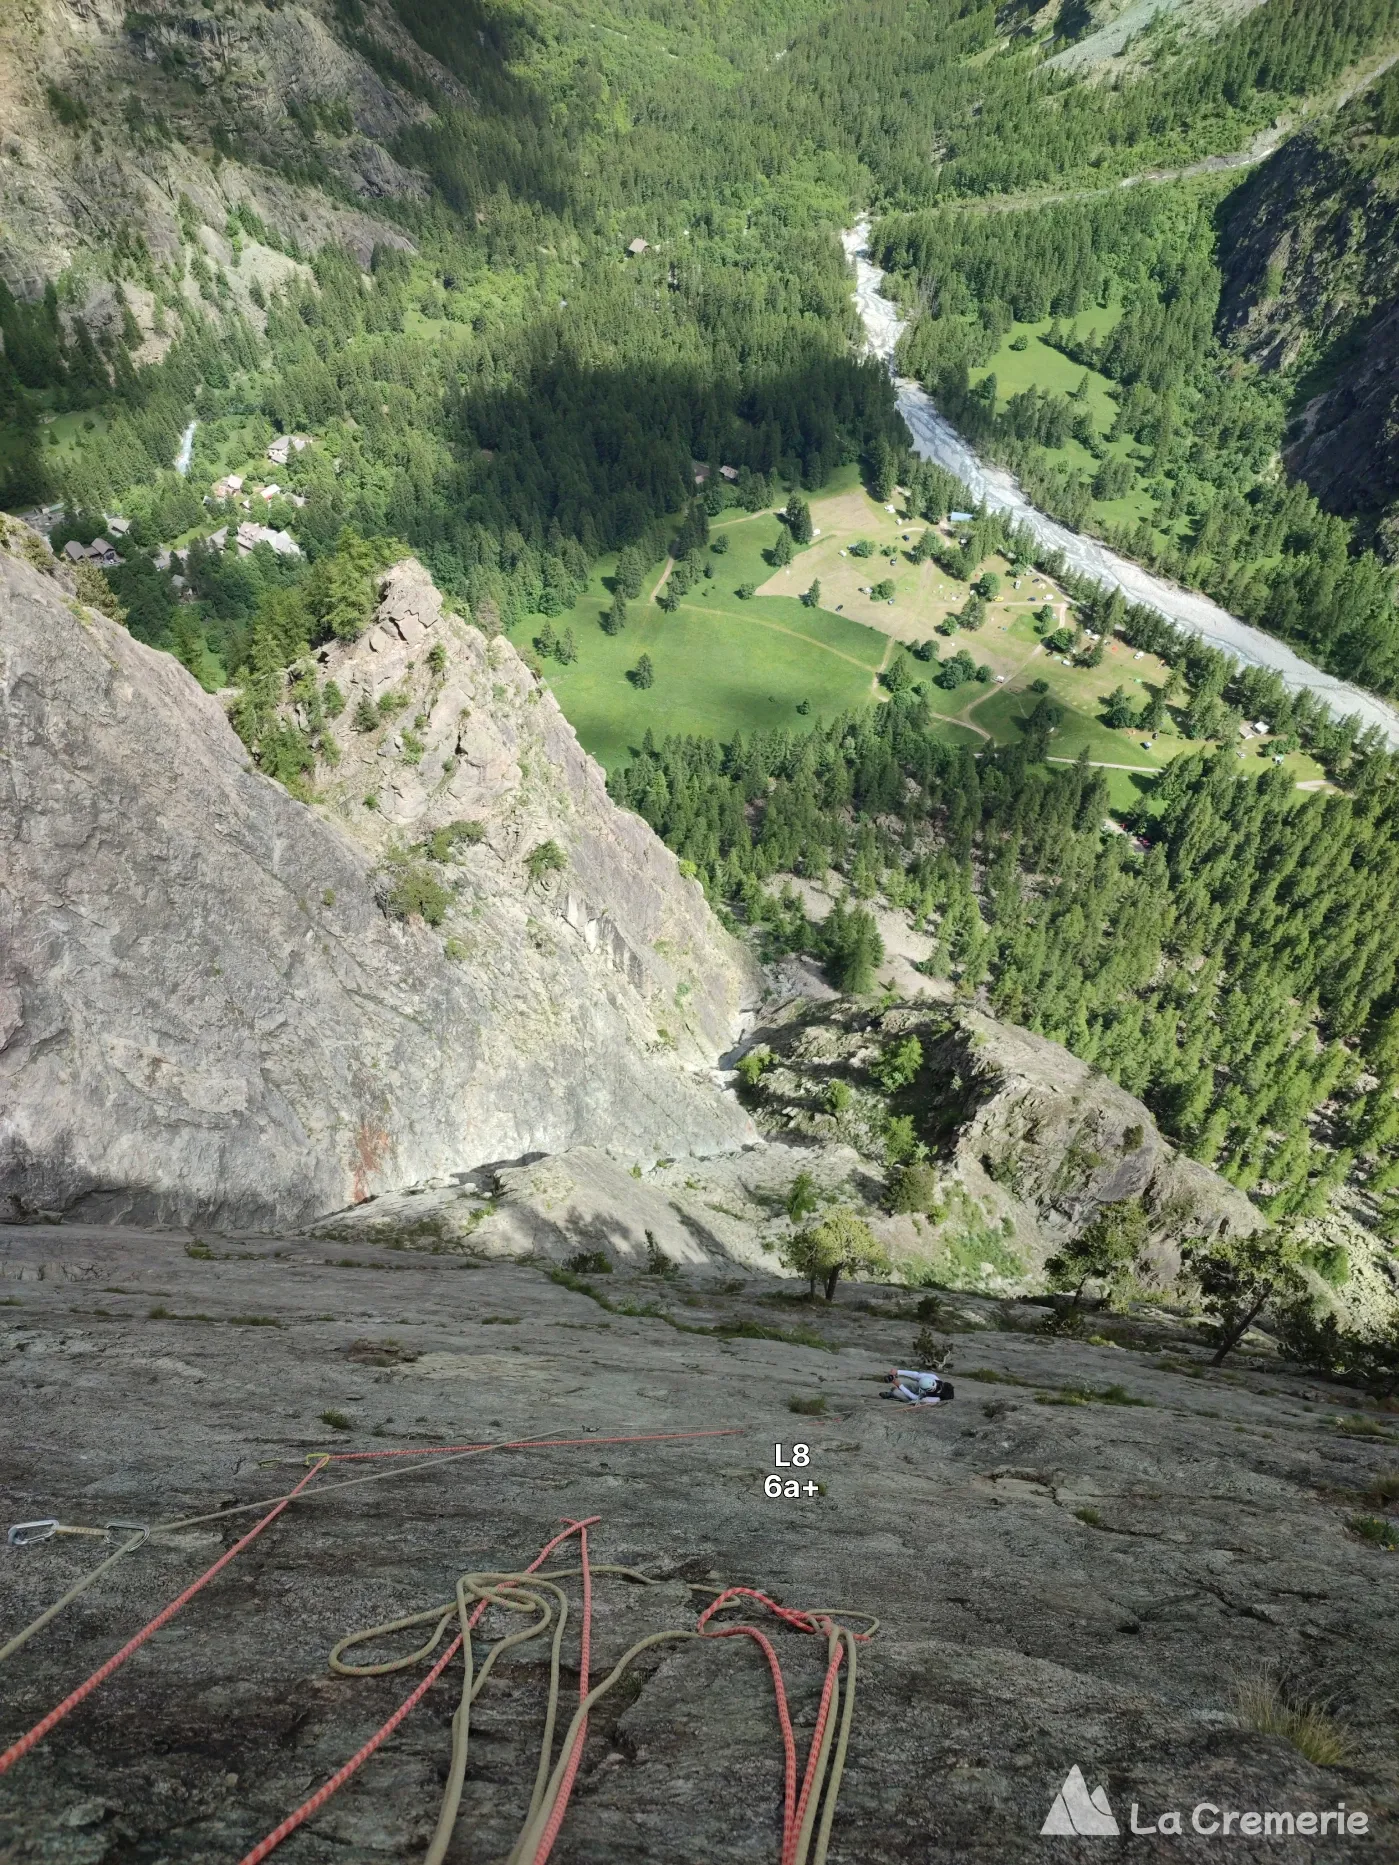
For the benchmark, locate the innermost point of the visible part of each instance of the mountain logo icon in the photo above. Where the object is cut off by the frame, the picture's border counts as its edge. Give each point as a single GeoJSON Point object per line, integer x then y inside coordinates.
{"type": "Point", "coordinates": [1077, 1812]}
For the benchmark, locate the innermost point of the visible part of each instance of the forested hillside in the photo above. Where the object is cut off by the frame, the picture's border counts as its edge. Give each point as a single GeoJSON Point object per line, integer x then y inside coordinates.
{"type": "Point", "coordinates": [406, 228]}
{"type": "Point", "coordinates": [538, 292]}
{"type": "Point", "coordinates": [1238, 973]}
{"type": "Point", "coordinates": [1210, 327]}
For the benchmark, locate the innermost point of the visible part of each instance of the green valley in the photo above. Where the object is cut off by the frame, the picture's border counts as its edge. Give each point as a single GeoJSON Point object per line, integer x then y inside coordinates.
{"type": "Point", "coordinates": [552, 298]}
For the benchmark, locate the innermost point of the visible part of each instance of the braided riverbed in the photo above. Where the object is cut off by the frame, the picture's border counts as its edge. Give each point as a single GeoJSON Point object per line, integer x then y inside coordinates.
{"type": "Point", "coordinates": [934, 438]}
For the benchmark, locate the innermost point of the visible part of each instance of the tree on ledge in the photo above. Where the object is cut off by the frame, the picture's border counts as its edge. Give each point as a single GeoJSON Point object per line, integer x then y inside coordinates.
{"type": "Point", "coordinates": [840, 1243]}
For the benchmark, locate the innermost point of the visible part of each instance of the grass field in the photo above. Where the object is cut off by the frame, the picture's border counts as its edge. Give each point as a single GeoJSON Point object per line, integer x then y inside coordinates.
{"type": "Point", "coordinates": [1039, 366]}
{"type": "Point", "coordinates": [63, 435]}
{"type": "Point", "coordinates": [721, 665]}
{"type": "Point", "coordinates": [725, 664]}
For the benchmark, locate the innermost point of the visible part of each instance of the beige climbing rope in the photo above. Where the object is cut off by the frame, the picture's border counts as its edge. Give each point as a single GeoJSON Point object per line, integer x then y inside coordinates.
{"type": "Point", "coordinates": [538, 1594]}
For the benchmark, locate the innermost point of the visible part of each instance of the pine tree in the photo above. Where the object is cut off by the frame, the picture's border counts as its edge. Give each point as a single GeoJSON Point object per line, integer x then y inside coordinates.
{"type": "Point", "coordinates": [629, 572]}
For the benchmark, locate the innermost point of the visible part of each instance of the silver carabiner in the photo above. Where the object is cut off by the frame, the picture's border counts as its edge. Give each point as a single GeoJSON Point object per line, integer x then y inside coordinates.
{"type": "Point", "coordinates": [130, 1528]}
{"type": "Point", "coordinates": [25, 1534]}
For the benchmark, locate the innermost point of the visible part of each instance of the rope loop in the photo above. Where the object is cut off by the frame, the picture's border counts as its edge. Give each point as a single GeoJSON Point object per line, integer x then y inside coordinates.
{"type": "Point", "coordinates": [535, 1591]}
{"type": "Point", "coordinates": [535, 1595]}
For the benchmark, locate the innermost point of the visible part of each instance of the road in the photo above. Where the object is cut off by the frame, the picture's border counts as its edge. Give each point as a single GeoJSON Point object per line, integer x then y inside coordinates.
{"type": "Point", "coordinates": [1262, 146]}
{"type": "Point", "coordinates": [934, 438]}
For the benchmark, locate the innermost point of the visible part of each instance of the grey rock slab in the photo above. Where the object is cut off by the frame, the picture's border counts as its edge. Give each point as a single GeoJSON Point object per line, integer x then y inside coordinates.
{"type": "Point", "coordinates": [1016, 1640]}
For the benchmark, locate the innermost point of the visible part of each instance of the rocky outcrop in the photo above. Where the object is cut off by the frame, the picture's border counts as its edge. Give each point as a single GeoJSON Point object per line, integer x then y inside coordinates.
{"type": "Point", "coordinates": [1041, 1136]}
{"type": "Point", "coordinates": [1025, 1142]}
{"type": "Point", "coordinates": [1024, 1146]}
{"type": "Point", "coordinates": [207, 1014]}
{"type": "Point", "coordinates": [1311, 268]}
{"type": "Point", "coordinates": [726, 1211]}
{"type": "Point", "coordinates": [162, 88]}
{"type": "Point", "coordinates": [471, 743]}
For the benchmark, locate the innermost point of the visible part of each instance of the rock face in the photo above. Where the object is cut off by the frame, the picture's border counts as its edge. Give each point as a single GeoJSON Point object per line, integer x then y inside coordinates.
{"type": "Point", "coordinates": [183, 66]}
{"type": "Point", "coordinates": [207, 1016]}
{"type": "Point", "coordinates": [1311, 268]}
{"type": "Point", "coordinates": [1061, 1581]}
{"type": "Point", "coordinates": [1026, 1143]}
{"type": "Point", "coordinates": [1043, 1137]}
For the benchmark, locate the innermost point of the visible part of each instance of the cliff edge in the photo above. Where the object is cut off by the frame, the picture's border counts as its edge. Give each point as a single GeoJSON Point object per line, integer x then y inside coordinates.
{"type": "Point", "coordinates": [209, 1013]}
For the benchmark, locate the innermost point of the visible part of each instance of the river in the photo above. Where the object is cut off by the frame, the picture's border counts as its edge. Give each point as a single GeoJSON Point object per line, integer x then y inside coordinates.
{"type": "Point", "coordinates": [934, 438]}
{"type": "Point", "coordinates": [186, 453]}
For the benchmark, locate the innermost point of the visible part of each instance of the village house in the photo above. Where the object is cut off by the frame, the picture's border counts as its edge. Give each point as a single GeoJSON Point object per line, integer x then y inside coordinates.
{"type": "Point", "coordinates": [250, 536]}
{"type": "Point", "coordinates": [226, 487]}
{"type": "Point", "coordinates": [285, 445]}
{"type": "Point", "coordinates": [638, 247]}
{"type": "Point", "coordinates": [101, 551]}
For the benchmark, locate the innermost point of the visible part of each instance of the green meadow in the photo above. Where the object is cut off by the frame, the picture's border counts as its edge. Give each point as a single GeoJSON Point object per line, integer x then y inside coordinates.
{"type": "Point", "coordinates": [722, 664]}
{"type": "Point", "coordinates": [1040, 367]}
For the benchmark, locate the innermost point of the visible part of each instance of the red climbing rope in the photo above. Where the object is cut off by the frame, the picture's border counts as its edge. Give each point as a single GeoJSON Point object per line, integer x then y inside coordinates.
{"type": "Point", "coordinates": [799, 1809]}
{"type": "Point", "coordinates": [793, 1809]}
{"type": "Point", "coordinates": [55, 1716]}
{"type": "Point", "coordinates": [381, 1735]}
{"type": "Point", "coordinates": [798, 1812]}
{"type": "Point", "coordinates": [789, 1847]}
{"type": "Point", "coordinates": [530, 1444]}
{"type": "Point", "coordinates": [551, 1831]}
{"type": "Point", "coordinates": [789, 1741]}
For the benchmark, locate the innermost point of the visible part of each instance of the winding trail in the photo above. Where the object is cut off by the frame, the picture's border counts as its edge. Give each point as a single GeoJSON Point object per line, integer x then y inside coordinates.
{"type": "Point", "coordinates": [934, 438]}
{"type": "Point", "coordinates": [1262, 146]}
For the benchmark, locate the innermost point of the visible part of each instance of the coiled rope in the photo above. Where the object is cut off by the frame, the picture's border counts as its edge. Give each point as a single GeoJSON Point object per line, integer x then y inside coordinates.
{"type": "Point", "coordinates": [804, 1842]}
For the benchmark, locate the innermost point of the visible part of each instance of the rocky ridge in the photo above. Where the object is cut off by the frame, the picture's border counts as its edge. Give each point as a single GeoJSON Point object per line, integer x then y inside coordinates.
{"type": "Point", "coordinates": [209, 1012]}
{"type": "Point", "coordinates": [169, 96]}
{"type": "Point", "coordinates": [1310, 274]}
{"type": "Point", "coordinates": [1026, 1146]}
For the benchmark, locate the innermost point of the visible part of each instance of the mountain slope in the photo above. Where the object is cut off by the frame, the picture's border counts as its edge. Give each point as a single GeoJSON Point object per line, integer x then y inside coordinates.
{"type": "Point", "coordinates": [1311, 271]}
{"type": "Point", "coordinates": [113, 113]}
{"type": "Point", "coordinates": [220, 1006]}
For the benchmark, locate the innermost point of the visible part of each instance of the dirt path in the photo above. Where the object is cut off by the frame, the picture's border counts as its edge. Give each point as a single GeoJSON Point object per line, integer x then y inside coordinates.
{"type": "Point", "coordinates": [1261, 147]}
{"type": "Point", "coordinates": [964, 717]}
{"type": "Point", "coordinates": [1102, 764]}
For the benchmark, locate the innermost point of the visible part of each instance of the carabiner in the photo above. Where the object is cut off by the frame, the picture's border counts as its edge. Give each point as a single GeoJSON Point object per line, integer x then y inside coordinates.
{"type": "Point", "coordinates": [25, 1534]}
{"type": "Point", "coordinates": [130, 1528]}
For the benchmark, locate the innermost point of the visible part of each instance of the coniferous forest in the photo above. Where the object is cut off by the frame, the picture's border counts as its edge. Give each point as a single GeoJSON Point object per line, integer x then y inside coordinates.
{"type": "Point", "coordinates": [619, 261]}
